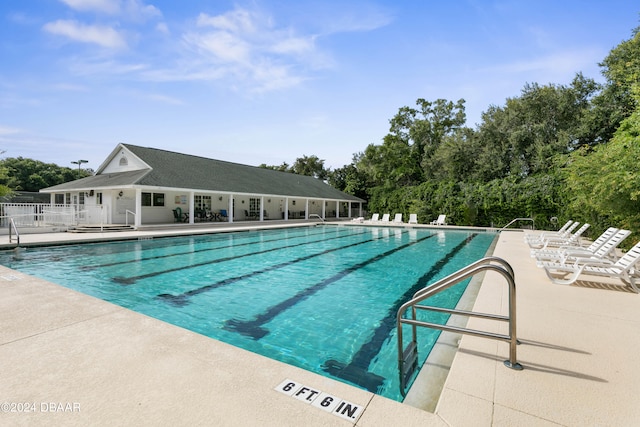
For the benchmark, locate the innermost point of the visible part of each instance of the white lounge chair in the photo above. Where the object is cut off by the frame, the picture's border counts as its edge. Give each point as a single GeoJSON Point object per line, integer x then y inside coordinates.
{"type": "Point", "coordinates": [537, 241]}
{"type": "Point", "coordinates": [413, 218]}
{"type": "Point", "coordinates": [398, 219]}
{"type": "Point", "coordinates": [560, 232]}
{"type": "Point", "coordinates": [564, 227]}
{"type": "Point", "coordinates": [557, 253]}
{"type": "Point", "coordinates": [623, 269]}
{"type": "Point", "coordinates": [385, 218]}
{"type": "Point", "coordinates": [374, 218]}
{"type": "Point", "coordinates": [440, 221]}
{"type": "Point", "coordinates": [605, 251]}
{"type": "Point", "coordinates": [570, 239]}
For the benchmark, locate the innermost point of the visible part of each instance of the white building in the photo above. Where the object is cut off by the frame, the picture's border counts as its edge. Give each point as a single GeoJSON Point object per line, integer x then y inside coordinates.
{"type": "Point", "coordinates": [142, 186]}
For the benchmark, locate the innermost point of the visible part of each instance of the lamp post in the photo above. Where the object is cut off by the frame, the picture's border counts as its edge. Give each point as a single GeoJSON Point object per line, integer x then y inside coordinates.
{"type": "Point", "coordinates": [79, 163]}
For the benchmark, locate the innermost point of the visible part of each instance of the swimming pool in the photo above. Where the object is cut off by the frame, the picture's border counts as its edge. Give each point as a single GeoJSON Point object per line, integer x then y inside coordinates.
{"type": "Point", "coordinates": [321, 298]}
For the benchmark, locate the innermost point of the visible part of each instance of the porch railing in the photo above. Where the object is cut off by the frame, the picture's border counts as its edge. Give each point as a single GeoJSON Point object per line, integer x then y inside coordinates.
{"type": "Point", "coordinates": [33, 215]}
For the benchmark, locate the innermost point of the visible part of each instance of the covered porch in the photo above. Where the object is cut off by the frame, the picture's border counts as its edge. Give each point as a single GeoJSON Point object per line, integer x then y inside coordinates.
{"type": "Point", "coordinates": [147, 207]}
{"type": "Point", "coordinates": [142, 186]}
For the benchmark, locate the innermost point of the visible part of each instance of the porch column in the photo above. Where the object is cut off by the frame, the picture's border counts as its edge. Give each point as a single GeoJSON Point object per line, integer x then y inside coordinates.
{"type": "Point", "coordinates": [306, 209]}
{"type": "Point", "coordinates": [230, 208]}
{"type": "Point", "coordinates": [138, 217]}
{"type": "Point", "coordinates": [286, 208]}
{"type": "Point", "coordinates": [261, 208]}
{"type": "Point", "coordinates": [191, 207]}
{"type": "Point", "coordinates": [324, 210]}
{"type": "Point", "coordinates": [337, 209]}
{"type": "Point", "coordinates": [349, 211]}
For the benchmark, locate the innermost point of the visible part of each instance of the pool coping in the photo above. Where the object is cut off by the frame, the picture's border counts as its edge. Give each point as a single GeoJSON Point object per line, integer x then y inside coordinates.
{"type": "Point", "coordinates": [60, 346]}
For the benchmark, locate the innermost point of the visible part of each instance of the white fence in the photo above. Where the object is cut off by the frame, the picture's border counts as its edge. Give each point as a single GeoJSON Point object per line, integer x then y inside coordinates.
{"type": "Point", "coordinates": [47, 215]}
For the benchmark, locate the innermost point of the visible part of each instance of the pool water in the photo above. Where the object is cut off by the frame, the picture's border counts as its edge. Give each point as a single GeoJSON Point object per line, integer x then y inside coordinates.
{"type": "Point", "coordinates": [321, 298]}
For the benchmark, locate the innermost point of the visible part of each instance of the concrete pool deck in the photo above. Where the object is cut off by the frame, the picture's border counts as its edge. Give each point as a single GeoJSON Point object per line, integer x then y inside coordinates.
{"type": "Point", "coordinates": [71, 359]}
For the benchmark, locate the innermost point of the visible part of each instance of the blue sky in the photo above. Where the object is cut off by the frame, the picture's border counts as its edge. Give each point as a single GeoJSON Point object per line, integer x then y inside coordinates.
{"type": "Point", "coordinates": [268, 81]}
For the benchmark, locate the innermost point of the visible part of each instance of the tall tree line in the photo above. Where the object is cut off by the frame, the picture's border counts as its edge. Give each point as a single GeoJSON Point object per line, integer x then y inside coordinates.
{"type": "Point", "coordinates": [22, 174]}
{"type": "Point", "coordinates": [564, 151]}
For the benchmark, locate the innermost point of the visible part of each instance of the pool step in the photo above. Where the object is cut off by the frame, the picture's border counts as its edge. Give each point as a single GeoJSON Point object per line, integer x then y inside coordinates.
{"type": "Point", "coordinates": [100, 229]}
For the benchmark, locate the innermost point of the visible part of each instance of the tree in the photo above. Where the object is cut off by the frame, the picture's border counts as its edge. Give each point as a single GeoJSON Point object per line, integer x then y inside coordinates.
{"type": "Point", "coordinates": [622, 71]}
{"type": "Point", "coordinates": [456, 158]}
{"type": "Point", "coordinates": [32, 175]}
{"type": "Point", "coordinates": [424, 129]}
{"type": "Point", "coordinates": [404, 158]}
{"type": "Point", "coordinates": [310, 166]}
{"type": "Point", "coordinates": [604, 181]}
{"type": "Point", "coordinates": [284, 167]}
{"type": "Point", "coordinates": [521, 138]}
{"type": "Point", "coordinates": [350, 179]}
{"type": "Point", "coordinates": [4, 177]}
{"type": "Point", "coordinates": [305, 165]}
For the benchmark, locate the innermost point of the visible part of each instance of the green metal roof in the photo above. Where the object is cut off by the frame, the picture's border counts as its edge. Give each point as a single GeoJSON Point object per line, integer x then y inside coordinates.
{"type": "Point", "coordinates": [176, 170]}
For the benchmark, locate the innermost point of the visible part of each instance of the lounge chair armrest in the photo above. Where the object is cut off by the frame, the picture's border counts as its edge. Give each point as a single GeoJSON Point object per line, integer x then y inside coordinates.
{"type": "Point", "coordinates": [592, 262]}
{"type": "Point", "coordinates": [576, 253]}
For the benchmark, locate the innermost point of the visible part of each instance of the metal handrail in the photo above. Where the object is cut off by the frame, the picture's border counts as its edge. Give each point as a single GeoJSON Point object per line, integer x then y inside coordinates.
{"type": "Point", "coordinates": [408, 355]}
{"type": "Point", "coordinates": [126, 216]}
{"type": "Point", "coordinates": [519, 219]}
{"type": "Point", "coordinates": [12, 225]}
{"type": "Point", "coordinates": [319, 217]}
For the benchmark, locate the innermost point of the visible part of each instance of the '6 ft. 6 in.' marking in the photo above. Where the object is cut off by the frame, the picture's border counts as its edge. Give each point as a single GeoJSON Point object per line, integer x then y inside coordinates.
{"type": "Point", "coordinates": [320, 399]}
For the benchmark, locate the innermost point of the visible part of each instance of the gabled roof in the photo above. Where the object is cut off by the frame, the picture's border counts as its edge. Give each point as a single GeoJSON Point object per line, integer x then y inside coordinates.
{"type": "Point", "coordinates": [175, 170]}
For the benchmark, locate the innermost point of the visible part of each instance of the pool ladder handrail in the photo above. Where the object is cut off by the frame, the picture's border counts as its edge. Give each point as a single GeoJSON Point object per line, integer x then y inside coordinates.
{"type": "Point", "coordinates": [318, 216]}
{"type": "Point", "coordinates": [12, 226]}
{"type": "Point", "coordinates": [533, 222]}
{"type": "Point", "coordinates": [408, 357]}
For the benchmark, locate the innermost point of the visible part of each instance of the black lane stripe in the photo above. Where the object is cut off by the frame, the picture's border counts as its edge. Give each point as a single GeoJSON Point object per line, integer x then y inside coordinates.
{"type": "Point", "coordinates": [253, 328]}
{"type": "Point", "coordinates": [357, 371]}
{"type": "Point", "coordinates": [132, 280]}
{"type": "Point", "coordinates": [182, 299]}
{"type": "Point", "coordinates": [91, 267]}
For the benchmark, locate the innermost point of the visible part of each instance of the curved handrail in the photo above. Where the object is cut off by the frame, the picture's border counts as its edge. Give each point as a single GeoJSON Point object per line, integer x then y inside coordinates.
{"type": "Point", "coordinates": [519, 219]}
{"type": "Point", "coordinates": [462, 271]}
{"type": "Point", "coordinates": [12, 225]}
{"type": "Point", "coordinates": [126, 216]}
{"type": "Point", "coordinates": [484, 264]}
{"type": "Point", "coordinates": [319, 217]}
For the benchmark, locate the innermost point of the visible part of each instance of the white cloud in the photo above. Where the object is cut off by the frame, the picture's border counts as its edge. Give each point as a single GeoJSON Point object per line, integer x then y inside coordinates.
{"type": "Point", "coordinates": [96, 34]}
{"type": "Point", "coordinates": [69, 87]}
{"type": "Point", "coordinates": [269, 77]}
{"type": "Point", "coordinates": [238, 20]}
{"type": "Point", "coordinates": [5, 130]}
{"type": "Point", "coordinates": [22, 18]}
{"type": "Point", "coordinates": [221, 46]}
{"type": "Point", "coordinates": [82, 67]}
{"type": "Point", "coordinates": [293, 45]}
{"type": "Point", "coordinates": [244, 48]}
{"type": "Point", "coordinates": [134, 10]}
{"type": "Point", "coordinates": [163, 28]}
{"type": "Point", "coordinates": [105, 6]}
{"type": "Point", "coordinates": [553, 67]}
{"type": "Point", "coordinates": [248, 47]}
